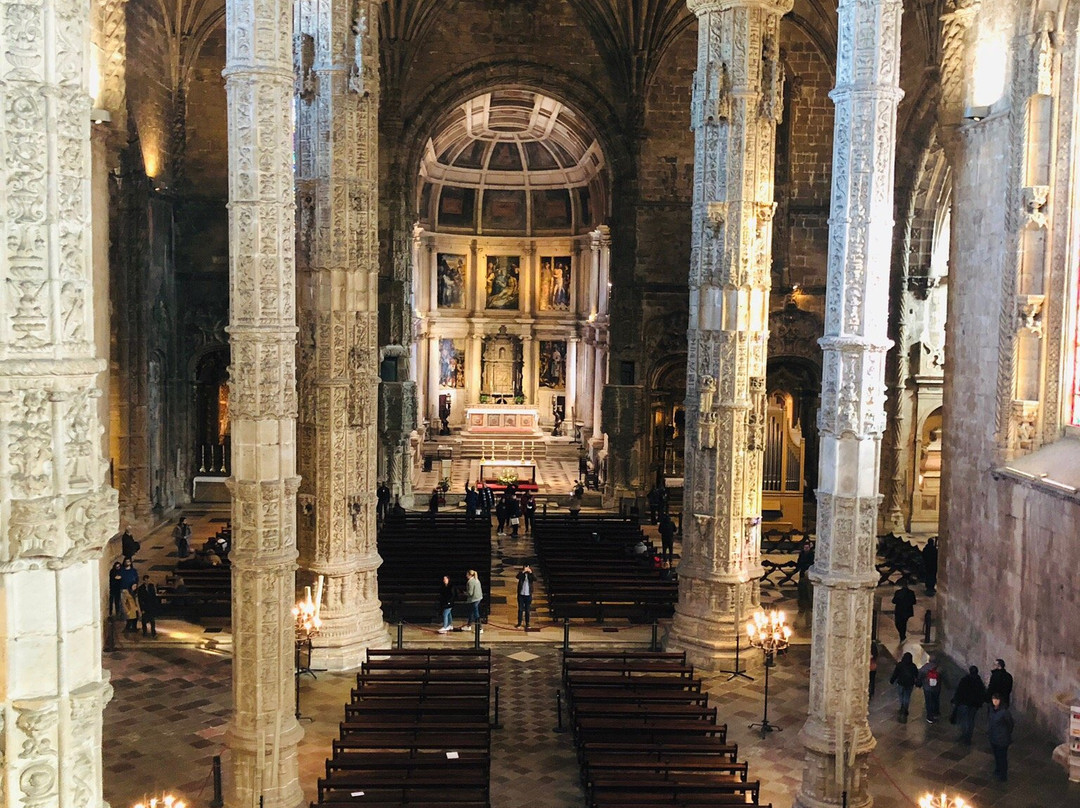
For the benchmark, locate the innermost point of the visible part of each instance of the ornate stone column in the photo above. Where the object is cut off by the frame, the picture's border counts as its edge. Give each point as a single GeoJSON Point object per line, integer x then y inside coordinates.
{"type": "Point", "coordinates": [263, 734]}
{"type": "Point", "coordinates": [571, 375]}
{"type": "Point", "coordinates": [736, 104]}
{"type": "Point", "coordinates": [852, 418]}
{"type": "Point", "coordinates": [56, 513]}
{"type": "Point", "coordinates": [528, 367]}
{"type": "Point", "coordinates": [338, 85]}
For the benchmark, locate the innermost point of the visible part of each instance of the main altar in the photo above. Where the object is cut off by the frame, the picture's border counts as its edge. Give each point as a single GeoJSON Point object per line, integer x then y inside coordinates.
{"type": "Point", "coordinates": [502, 419]}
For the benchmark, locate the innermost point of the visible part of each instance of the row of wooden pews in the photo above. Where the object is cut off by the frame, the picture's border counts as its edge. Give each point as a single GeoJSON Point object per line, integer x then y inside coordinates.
{"type": "Point", "coordinates": [417, 551]}
{"type": "Point", "coordinates": [416, 733]}
{"type": "Point", "coordinates": [591, 571]}
{"type": "Point", "coordinates": [646, 735]}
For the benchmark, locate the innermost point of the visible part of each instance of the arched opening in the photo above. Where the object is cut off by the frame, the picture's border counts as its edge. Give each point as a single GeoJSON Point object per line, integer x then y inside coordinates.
{"type": "Point", "coordinates": [791, 450]}
{"type": "Point", "coordinates": [212, 438]}
{"type": "Point", "coordinates": [668, 418]}
{"type": "Point", "coordinates": [510, 291]}
{"type": "Point", "coordinates": [926, 501]}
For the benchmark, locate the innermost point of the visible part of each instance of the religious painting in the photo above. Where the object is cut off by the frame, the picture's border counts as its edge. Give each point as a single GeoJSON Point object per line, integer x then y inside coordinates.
{"type": "Point", "coordinates": [503, 277]}
{"type": "Point", "coordinates": [504, 211]}
{"type": "Point", "coordinates": [450, 275]}
{"type": "Point", "coordinates": [551, 210]}
{"type": "Point", "coordinates": [554, 283]}
{"type": "Point", "coordinates": [457, 207]}
{"type": "Point", "coordinates": [452, 363]}
{"type": "Point", "coordinates": [553, 364]}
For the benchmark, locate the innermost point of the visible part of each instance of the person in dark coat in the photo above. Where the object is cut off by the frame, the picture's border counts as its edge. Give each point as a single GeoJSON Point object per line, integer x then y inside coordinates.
{"type": "Point", "coordinates": [654, 498]}
{"type": "Point", "coordinates": [1000, 730]}
{"type": "Point", "coordinates": [904, 604]}
{"type": "Point", "coordinates": [446, 604]}
{"type": "Point", "coordinates": [528, 510]}
{"type": "Point", "coordinates": [500, 515]}
{"type": "Point", "coordinates": [433, 503]}
{"type": "Point", "coordinates": [116, 587]}
{"type": "Point", "coordinates": [487, 500]}
{"type": "Point", "coordinates": [148, 605]}
{"type": "Point", "coordinates": [1001, 682]}
{"type": "Point", "coordinates": [182, 536]}
{"type": "Point", "coordinates": [526, 585]}
{"type": "Point", "coordinates": [513, 515]}
{"type": "Point", "coordinates": [970, 695]}
{"type": "Point", "coordinates": [667, 537]}
{"type": "Point", "coordinates": [472, 503]}
{"type": "Point", "coordinates": [128, 546]}
{"type": "Point", "coordinates": [929, 561]}
{"type": "Point", "coordinates": [382, 498]}
{"type": "Point", "coordinates": [904, 676]}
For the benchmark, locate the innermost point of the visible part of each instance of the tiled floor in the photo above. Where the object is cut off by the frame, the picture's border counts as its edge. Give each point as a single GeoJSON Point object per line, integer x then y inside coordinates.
{"type": "Point", "coordinates": [172, 698]}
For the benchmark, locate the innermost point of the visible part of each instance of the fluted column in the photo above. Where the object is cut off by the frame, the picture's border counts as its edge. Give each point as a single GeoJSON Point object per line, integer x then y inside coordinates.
{"type": "Point", "coordinates": [338, 169]}
{"type": "Point", "coordinates": [56, 512]}
{"type": "Point", "coordinates": [736, 104]}
{"type": "Point", "coordinates": [852, 418]}
{"type": "Point", "coordinates": [262, 403]}
{"type": "Point", "coordinates": [528, 368]}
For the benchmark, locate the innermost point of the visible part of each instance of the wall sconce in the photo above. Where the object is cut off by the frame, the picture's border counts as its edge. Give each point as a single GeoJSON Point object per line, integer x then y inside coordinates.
{"type": "Point", "coordinates": [976, 113]}
{"type": "Point", "coordinates": [98, 115]}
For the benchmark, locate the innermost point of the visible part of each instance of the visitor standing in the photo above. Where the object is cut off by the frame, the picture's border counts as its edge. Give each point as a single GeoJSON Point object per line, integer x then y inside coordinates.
{"type": "Point", "coordinates": [148, 605]}
{"type": "Point", "coordinates": [182, 537]}
{"type": "Point", "coordinates": [446, 603]}
{"type": "Point", "coordinates": [433, 504]}
{"type": "Point", "coordinates": [904, 608]}
{"type": "Point", "coordinates": [575, 500]}
{"type": "Point", "coordinates": [500, 515]}
{"type": "Point", "coordinates": [526, 582]}
{"type": "Point", "coordinates": [931, 683]}
{"type": "Point", "coordinates": [473, 595]}
{"type": "Point", "coordinates": [129, 600]}
{"type": "Point", "coordinates": [904, 676]}
{"type": "Point", "coordinates": [487, 500]}
{"type": "Point", "coordinates": [472, 503]}
{"type": "Point", "coordinates": [653, 498]}
{"type": "Point", "coordinates": [1000, 731]}
{"type": "Point", "coordinates": [116, 587]}
{"type": "Point", "coordinates": [667, 537]}
{"type": "Point", "coordinates": [528, 510]}
{"type": "Point", "coordinates": [128, 546]}
{"type": "Point", "coordinates": [513, 515]}
{"type": "Point", "coordinates": [129, 576]}
{"type": "Point", "coordinates": [1001, 682]}
{"type": "Point", "coordinates": [969, 697]}
{"type": "Point", "coordinates": [382, 497]}
{"type": "Point", "coordinates": [930, 562]}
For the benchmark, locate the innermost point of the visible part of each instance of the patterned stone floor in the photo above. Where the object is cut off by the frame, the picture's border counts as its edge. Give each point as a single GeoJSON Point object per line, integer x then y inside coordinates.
{"type": "Point", "coordinates": [172, 697]}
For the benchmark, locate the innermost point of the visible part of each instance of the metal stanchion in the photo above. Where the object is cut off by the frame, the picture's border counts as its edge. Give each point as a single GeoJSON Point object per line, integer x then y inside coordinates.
{"type": "Point", "coordinates": [400, 633]}
{"type": "Point", "coordinates": [218, 801]}
{"type": "Point", "coordinates": [558, 711]}
{"type": "Point", "coordinates": [927, 622]}
{"type": "Point", "coordinates": [655, 644]}
{"type": "Point", "coordinates": [496, 724]}
{"type": "Point", "coordinates": [476, 635]}
{"type": "Point", "coordinates": [566, 633]}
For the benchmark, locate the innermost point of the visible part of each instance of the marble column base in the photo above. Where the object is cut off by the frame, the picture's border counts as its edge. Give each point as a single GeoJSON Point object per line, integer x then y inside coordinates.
{"type": "Point", "coordinates": [251, 773]}
{"type": "Point", "coordinates": [348, 653]}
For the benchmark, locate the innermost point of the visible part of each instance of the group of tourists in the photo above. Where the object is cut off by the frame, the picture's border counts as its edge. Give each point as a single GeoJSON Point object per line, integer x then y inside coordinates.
{"type": "Point", "coordinates": [512, 509]}
{"type": "Point", "coordinates": [131, 600]}
{"type": "Point", "coordinates": [970, 697]}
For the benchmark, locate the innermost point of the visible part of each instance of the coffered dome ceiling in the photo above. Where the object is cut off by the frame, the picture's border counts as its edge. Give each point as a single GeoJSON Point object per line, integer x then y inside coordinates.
{"type": "Point", "coordinates": [512, 161]}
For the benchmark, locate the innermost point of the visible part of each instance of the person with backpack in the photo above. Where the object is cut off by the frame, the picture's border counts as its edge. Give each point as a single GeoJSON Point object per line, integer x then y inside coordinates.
{"type": "Point", "coordinates": [931, 682]}
{"type": "Point", "coordinates": [904, 676]}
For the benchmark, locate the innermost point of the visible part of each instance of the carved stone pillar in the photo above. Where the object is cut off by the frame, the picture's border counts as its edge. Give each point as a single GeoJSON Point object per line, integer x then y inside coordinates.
{"type": "Point", "coordinates": [736, 104]}
{"type": "Point", "coordinates": [571, 375]}
{"type": "Point", "coordinates": [528, 368]}
{"type": "Point", "coordinates": [338, 85]}
{"type": "Point", "coordinates": [56, 513]}
{"type": "Point", "coordinates": [262, 404]}
{"type": "Point", "coordinates": [852, 418]}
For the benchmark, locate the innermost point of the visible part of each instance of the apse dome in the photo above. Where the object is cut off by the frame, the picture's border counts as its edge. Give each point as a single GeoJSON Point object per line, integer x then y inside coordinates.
{"type": "Point", "coordinates": [512, 162]}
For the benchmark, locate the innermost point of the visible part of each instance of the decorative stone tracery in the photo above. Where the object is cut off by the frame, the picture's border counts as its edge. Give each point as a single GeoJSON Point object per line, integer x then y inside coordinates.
{"type": "Point", "coordinates": [734, 111]}
{"type": "Point", "coordinates": [851, 420]}
{"type": "Point", "coordinates": [338, 171]}
{"type": "Point", "coordinates": [56, 512]}
{"type": "Point", "coordinates": [263, 733]}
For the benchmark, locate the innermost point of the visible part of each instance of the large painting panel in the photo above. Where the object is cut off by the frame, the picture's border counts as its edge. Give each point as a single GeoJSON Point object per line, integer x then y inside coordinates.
{"type": "Point", "coordinates": [451, 279]}
{"type": "Point", "coordinates": [554, 283]}
{"type": "Point", "coordinates": [553, 364]}
{"type": "Point", "coordinates": [503, 279]}
{"type": "Point", "coordinates": [452, 363]}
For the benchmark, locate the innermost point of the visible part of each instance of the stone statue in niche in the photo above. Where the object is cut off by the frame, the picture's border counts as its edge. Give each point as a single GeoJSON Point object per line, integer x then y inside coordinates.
{"type": "Point", "coordinates": [707, 414]}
